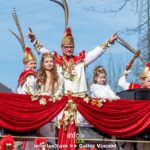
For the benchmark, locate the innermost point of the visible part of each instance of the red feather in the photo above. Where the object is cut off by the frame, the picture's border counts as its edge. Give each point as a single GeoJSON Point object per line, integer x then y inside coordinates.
{"type": "Point", "coordinates": [68, 31]}
{"type": "Point", "coordinates": [27, 49]}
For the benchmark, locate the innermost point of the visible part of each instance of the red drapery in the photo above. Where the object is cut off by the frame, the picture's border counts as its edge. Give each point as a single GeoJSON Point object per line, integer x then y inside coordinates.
{"type": "Point", "coordinates": [19, 113]}
{"type": "Point", "coordinates": [121, 118]}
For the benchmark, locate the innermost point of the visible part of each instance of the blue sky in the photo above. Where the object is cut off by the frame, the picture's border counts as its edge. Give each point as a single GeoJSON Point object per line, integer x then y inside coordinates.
{"type": "Point", "coordinates": [47, 21]}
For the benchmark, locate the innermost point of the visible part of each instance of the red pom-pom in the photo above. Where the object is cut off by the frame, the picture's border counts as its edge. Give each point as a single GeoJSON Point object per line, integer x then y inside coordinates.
{"type": "Point", "coordinates": [27, 49]}
{"type": "Point", "coordinates": [68, 31]}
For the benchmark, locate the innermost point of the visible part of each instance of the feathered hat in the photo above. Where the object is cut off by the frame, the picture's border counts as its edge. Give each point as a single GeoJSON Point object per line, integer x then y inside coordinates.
{"type": "Point", "coordinates": [146, 72]}
{"type": "Point", "coordinates": [67, 38]}
{"type": "Point", "coordinates": [7, 143]}
{"type": "Point", "coordinates": [28, 55]}
{"type": "Point", "coordinates": [40, 143]}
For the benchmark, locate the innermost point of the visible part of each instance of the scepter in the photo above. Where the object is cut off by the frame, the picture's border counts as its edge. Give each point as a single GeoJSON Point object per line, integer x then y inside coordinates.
{"type": "Point", "coordinates": [126, 45]}
{"type": "Point", "coordinates": [129, 65]}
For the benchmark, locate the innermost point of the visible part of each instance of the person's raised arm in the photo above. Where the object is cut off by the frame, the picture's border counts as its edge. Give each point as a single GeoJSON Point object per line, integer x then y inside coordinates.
{"type": "Point", "coordinates": [38, 46]}
{"type": "Point", "coordinates": [99, 50]}
{"type": "Point", "coordinates": [123, 82]}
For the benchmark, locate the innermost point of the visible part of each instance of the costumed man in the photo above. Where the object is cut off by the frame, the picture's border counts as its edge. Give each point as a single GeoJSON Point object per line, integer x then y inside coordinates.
{"type": "Point", "coordinates": [27, 79]}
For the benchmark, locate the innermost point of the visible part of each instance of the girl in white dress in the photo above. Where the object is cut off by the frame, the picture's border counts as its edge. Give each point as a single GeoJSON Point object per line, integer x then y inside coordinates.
{"type": "Point", "coordinates": [100, 88]}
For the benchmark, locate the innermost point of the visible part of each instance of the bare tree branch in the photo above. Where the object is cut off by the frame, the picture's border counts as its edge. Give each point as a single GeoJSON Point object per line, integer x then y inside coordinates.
{"type": "Point", "coordinates": [92, 8]}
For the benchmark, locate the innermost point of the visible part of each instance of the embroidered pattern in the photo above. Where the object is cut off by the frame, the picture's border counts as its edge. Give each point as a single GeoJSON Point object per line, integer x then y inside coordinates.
{"type": "Point", "coordinates": [69, 70]}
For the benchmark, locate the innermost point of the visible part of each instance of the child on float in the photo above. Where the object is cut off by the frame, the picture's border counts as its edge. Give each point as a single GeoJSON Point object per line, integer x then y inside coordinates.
{"type": "Point", "coordinates": [27, 78]}
{"type": "Point", "coordinates": [100, 88]}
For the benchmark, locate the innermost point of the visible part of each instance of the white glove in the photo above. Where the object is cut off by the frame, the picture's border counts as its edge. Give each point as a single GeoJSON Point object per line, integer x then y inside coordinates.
{"type": "Point", "coordinates": [126, 72]}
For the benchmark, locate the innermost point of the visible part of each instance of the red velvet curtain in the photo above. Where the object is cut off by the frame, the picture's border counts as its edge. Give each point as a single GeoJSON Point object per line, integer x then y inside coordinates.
{"type": "Point", "coordinates": [19, 113]}
{"type": "Point", "coordinates": [121, 118]}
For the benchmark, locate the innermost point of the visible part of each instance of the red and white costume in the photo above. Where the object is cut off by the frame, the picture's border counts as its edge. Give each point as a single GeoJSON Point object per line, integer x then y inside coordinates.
{"type": "Point", "coordinates": [26, 82]}
{"type": "Point", "coordinates": [127, 85]}
{"type": "Point", "coordinates": [27, 79]}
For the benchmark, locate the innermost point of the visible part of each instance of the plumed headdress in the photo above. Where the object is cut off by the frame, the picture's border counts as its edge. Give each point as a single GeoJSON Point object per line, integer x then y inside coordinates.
{"type": "Point", "coordinates": [28, 55]}
{"type": "Point", "coordinates": [67, 38]}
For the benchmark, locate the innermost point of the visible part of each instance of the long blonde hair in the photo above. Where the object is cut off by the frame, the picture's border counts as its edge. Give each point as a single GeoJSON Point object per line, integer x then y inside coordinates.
{"type": "Point", "coordinates": [41, 75]}
{"type": "Point", "coordinates": [98, 70]}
